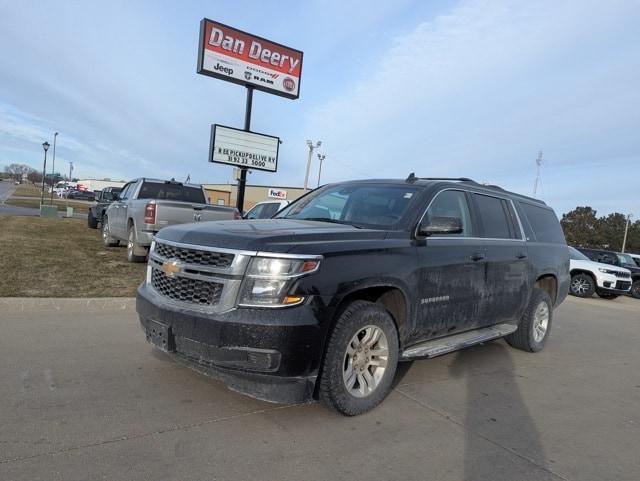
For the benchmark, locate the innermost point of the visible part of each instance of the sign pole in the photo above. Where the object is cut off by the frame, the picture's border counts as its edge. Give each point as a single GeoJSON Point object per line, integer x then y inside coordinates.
{"type": "Point", "coordinates": [243, 170]}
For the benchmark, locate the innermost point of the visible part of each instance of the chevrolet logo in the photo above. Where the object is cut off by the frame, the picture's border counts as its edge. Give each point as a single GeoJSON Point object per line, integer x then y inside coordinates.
{"type": "Point", "coordinates": [171, 268]}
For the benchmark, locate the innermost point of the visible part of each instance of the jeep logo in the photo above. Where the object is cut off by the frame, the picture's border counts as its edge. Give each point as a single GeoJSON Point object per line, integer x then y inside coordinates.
{"type": "Point", "coordinates": [223, 69]}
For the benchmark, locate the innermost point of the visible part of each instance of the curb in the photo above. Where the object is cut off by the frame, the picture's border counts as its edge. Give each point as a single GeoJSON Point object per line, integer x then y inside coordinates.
{"type": "Point", "coordinates": [95, 304]}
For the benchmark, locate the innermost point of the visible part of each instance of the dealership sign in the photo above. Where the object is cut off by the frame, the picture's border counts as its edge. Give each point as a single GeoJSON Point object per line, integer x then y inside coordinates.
{"type": "Point", "coordinates": [243, 149]}
{"type": "Point", "coordinates": [236, 56]}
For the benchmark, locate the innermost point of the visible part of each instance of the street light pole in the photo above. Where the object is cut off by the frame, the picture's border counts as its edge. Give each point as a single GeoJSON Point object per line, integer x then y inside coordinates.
{"type": "Point", "coordinates": [626, 230]}
{"type": "Point", "coordinates": [53, 167]}
{"type": "Point", "coordinates": [45, 146]}
{"type": "Point", "coordinates": [321, 158]}
{"type": "Point", "coordinates": [311, 149]}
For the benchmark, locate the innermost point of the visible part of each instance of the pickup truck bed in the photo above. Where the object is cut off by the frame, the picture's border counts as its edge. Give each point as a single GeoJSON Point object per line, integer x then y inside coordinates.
{"type": "Point", "coordinates": [145, 206]}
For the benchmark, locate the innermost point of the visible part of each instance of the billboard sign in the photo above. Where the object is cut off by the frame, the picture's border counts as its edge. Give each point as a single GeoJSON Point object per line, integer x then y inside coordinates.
{"type": "Point", "coordinates": [236, 56]}
{"type": "Point", "coordinates": [277, 194]}
{"type": "Point", "coordinates": [243, 149]}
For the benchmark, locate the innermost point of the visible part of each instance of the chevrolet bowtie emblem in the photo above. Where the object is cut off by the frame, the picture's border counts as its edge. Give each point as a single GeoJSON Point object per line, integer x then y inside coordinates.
{"type": "Point", "coordinates": [171, 268]}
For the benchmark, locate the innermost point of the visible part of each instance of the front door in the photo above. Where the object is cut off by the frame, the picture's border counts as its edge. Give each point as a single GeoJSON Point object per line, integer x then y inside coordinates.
{"type": "Point", "coordinates": [452, 271]}
{"type": "Point", "coordinates": [116, 223]}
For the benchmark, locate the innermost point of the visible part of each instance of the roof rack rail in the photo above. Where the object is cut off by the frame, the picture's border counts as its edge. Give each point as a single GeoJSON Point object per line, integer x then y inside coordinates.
{"type": "Point", "coordinates": [412, 178]}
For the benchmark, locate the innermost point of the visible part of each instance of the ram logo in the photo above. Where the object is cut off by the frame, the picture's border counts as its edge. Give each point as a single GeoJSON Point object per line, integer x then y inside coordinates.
{"type": "Point", "coordinates": [197, 217]}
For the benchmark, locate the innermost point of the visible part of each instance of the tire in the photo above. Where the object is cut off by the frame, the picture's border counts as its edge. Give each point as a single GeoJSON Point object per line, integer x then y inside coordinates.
{"type": "Point", "coordinates": [107, 240]}
{"type": "Point", "coordinates": [635, 289]}
{"type": "Point", "coordinates": [134, 251]}
{"type": "Point", "coordinates": [533, 331]}
{"type": "Point", "coordinates": [582, 285]}
{"type": "Point", "coordinates": [92, 222]}
{"type": "Point", "coordinates": [606, 295]}
{"type": "Point", "coordinates": [362, 328]}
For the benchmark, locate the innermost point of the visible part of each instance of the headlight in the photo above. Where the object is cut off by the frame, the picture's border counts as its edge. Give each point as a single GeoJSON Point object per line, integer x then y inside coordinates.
{"type": "Point", "coordinates": [607, 271]}
{"type": "Point", "coordinates": [269, 279]}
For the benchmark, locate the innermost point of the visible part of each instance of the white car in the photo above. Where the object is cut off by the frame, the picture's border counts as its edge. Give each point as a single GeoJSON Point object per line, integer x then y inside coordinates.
{"type": "Point", "coordinates": [588, 277]}
{"type": "Point", "coordinates": [266, 209]}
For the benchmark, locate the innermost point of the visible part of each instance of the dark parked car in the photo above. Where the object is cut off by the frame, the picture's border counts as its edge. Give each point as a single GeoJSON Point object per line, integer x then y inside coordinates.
{"type": "Point", "coordinates": [326, 298]}
{"type": "Point", "coordinates": [105, 197]}
{"type": "Point", "coordinates": [81, 195]}
{"type": "Point", "coordinates": [617, 259]}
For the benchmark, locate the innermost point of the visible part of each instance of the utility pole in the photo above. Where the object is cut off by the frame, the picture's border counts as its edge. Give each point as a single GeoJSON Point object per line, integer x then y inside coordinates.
{"type": "Point", "coordinates": [537, 181]}
{"type": "Point", "coordinates": [626, 230]}
{"type": "Point", "coordinates": [321, 158]}
{"type": "Point", "coordinates": [311, 149]}
{"type": "Point", "coordinates": [242, 181]}
{"type": "Point", "coordinates": [53, 167]}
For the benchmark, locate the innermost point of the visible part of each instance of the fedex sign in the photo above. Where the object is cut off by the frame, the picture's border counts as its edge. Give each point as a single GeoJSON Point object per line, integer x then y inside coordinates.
{"type": "Point", "coordinates": [236, 56]}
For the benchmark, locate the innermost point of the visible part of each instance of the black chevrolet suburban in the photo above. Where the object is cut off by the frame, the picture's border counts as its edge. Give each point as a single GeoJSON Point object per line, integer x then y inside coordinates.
{"type": "Point", "coordinates": [326, 298]}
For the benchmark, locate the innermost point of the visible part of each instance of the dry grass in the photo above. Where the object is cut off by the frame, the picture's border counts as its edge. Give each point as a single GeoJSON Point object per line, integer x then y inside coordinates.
{"type": "Point", "coordinates": [78, 206]}
{"type": "Point", "coordinates": [27, 190]}
{"type": "Point", "coordinates": [62, 258]}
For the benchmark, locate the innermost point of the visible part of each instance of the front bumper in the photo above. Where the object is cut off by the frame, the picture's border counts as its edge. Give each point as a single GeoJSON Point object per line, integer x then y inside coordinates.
{"type": "Point", "coordinates": [273, 355]}
{"type": "Point", "coordinates": [612, 284]}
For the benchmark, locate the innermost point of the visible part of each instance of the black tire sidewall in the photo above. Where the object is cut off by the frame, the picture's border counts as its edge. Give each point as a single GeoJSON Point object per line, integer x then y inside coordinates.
{"type": "Point", "coordinates": [332, 389]}
{"type": "Point", "coordinates": [635, 289]}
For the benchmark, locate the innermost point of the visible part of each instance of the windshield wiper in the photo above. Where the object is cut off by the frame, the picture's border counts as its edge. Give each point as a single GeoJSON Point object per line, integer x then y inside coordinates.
{"type": "Point", "coordinates": [326, 219]}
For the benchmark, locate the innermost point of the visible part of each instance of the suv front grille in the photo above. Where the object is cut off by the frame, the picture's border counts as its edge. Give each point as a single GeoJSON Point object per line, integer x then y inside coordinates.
{"type": "Point", "coordinates": [623, 275]}
{"type": "Point", "coordinates": [185, 289]}
{"type": "Point", "coordinates": [623, 285]}
{"type": "Point", "coordinates": [197, 257]}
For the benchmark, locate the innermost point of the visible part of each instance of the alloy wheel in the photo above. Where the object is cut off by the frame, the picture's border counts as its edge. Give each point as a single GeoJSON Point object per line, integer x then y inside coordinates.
{"type": "Point", "coordinates": [365, 361]}
{"type": "Point", "coordinates": [579, 286]}
{"type": "Point", "coordinates": [540, 322]}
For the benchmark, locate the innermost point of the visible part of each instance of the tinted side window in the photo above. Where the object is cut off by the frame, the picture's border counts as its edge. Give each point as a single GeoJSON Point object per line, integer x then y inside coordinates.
{"type": "Point", "coordinates": [451, 203]}
{"type": "Point", "coordinates": [544, 223]}
{"type": "Point", "coordinates": [126, 191]}
{"type": "Point", "coordinates": [255, 212]}
{"type": "Point", "coordinates": [495, 218]}
{"type": "Point", "coordinates": [269, 210]}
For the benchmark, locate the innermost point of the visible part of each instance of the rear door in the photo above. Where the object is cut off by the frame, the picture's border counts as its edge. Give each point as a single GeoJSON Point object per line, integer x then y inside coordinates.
{"type": "Point", "coordinates": [507, 283]}
{"type": "Point", "coordinates": [452, 270]}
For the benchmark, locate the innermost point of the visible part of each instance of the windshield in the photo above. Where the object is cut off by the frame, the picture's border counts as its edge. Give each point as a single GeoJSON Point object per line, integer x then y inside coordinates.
{"type": "Point", "coordinates": [576, 255]}
{"type": "Point", "coordinates": [361, 205]}
{"type": "Point", "coordinates": [626, 260]}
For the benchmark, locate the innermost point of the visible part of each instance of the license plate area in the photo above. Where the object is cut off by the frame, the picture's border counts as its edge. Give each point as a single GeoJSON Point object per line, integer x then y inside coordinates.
{"type": "Point", "coordinates": [160, 336]}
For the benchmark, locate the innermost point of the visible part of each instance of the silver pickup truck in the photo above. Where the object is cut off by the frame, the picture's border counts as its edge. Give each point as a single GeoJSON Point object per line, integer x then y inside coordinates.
{"type": "Point", "coordinates": [144, 206]}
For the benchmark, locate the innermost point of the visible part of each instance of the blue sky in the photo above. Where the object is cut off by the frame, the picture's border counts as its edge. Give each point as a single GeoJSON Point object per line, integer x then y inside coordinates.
{"type": "Point", "coordinates": [462, 88]}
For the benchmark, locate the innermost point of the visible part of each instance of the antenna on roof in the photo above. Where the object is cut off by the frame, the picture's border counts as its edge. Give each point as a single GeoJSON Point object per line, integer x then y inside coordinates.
{"type": "Point", "coordinates": [412, 178]}
{"type": "Point", "coordinates": [537, 181]}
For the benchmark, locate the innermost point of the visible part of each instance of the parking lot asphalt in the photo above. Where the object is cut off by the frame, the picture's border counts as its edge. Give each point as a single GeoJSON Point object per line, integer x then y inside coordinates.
{"type": "Point", "coordinates": [6, 189]}
{"type": "Point", "coordinates": [83, 397]}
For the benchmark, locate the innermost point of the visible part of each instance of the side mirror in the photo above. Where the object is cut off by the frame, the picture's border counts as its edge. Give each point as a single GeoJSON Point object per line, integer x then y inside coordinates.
{"type": "Point", "coordinates": [441, 225]}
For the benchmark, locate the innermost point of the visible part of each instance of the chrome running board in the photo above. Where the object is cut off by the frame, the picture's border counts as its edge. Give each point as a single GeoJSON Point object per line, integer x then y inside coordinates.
{"type": "Point", "coordinates": [444, 345]}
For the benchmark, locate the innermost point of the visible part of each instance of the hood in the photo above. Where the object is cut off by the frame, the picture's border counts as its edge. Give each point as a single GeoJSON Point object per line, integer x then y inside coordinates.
{"type": "Point", "coordinates": [271, 235]}
{"type": "Point", "coordinates": [589, 264]}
